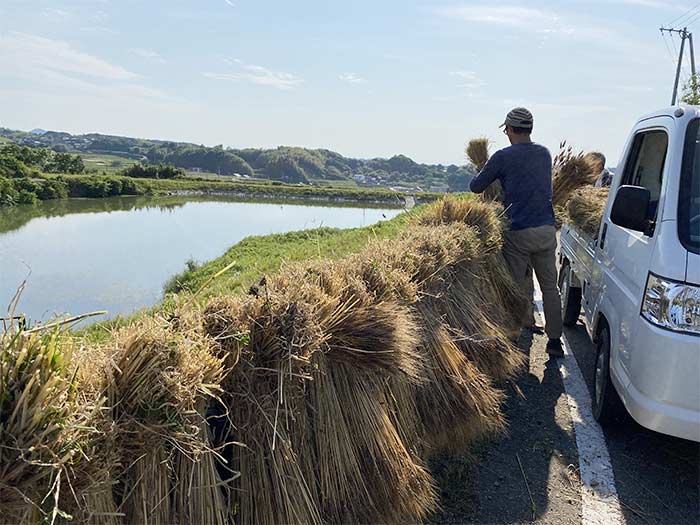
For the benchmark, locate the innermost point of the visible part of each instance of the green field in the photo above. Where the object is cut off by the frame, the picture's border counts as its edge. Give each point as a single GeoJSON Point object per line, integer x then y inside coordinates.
{"type": "Point", "coordinates": [110, 164]}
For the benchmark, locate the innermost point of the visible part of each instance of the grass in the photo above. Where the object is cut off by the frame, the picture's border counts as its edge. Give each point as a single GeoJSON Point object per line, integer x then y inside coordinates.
{"type": "Point", "coordinates": [257, 256]}
{"type": "Point", "coordinates": [110, 164]}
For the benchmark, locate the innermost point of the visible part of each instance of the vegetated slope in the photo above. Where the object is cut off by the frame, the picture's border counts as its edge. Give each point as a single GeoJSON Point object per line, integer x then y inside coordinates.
{"type": "Point", "coordinates": [318, 397]}
{"type": "Point", "coordinates": [288, 164]}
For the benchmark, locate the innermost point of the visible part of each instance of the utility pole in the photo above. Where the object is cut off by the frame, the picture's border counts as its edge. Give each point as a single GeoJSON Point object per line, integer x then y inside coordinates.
{"type": "Point", "coordinates": [685, 35]}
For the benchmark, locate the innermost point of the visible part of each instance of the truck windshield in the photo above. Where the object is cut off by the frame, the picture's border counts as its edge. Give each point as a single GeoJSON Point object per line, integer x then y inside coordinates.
{"type": "Point", "coordinates": [689, 198]}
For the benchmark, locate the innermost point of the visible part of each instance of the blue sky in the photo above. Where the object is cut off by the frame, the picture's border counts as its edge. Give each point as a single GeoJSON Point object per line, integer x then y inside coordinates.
{"type": "Point", "coordinates": [364, 78]}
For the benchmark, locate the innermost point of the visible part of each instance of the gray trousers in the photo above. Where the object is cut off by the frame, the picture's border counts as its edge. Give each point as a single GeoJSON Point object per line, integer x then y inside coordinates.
{"type": "Point", "coordinates": [537, 247]}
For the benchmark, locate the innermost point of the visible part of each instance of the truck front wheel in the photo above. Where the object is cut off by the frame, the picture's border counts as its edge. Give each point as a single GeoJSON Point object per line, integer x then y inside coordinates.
{"type": "Point", "coordinates": [570, 297]}
{"type": "Point", "coordinates": [607, 405]}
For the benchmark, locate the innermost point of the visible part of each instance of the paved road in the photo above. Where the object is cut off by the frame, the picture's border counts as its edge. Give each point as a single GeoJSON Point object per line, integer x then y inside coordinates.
{"type": "Point", "coordinates": [657, 476]}
{"type": "Point", "coordinates": [532, 473]}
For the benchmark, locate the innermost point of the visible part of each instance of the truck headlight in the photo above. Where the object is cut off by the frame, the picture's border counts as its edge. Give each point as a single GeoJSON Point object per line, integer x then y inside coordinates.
{"type": "Point", "coordinates": [671, 305]}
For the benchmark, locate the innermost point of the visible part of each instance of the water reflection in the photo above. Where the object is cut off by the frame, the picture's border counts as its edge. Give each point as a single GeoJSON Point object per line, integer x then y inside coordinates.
{"type": "Point", "coordinates": [115, 254]}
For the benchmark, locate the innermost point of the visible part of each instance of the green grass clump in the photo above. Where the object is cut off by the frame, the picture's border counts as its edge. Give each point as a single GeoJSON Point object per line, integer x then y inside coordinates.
{"type": "Point", "coordinates": [257, 256]}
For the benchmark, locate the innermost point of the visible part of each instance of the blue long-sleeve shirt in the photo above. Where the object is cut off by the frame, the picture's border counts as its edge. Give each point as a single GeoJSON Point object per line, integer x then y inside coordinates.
{"type": "Point", "coordinates": [525, 172]}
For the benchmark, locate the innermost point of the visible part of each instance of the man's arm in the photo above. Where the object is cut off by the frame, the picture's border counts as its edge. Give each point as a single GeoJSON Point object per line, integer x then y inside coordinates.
{"type": "Point", "coordinates": [487, 175]}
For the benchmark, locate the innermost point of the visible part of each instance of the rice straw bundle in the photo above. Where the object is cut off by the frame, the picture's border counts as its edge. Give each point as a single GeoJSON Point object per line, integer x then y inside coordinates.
{"type": "Point", "coordinates": [483, 270]}
{"type": "Point", "coordinates": [91, 498]}
{"type": "Point", "coordinates": [367, 345]}
{"type": "Point", "coordinates": [271, 341]}
{"type": "Point", "coordinates": [158, 387]}
{"type": "Point", "coordinates": [393, 486]}
{"type": "Point", "coordinates": [586, 208]}
{"type": "Point", "coordinates": [477, 151]}
{"type": "Point", "coordinates": [41, 424]}
{"type": "Point", "coordinates": [488, 218]}
{"type": "Point", "coordinates": [457, 403]}
{"type": "Point", "coordinates": [570, 171]}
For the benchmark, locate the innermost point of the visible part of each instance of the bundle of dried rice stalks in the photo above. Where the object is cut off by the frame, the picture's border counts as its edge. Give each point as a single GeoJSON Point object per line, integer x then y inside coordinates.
{"type": "Point", "coordinates": [586, 208]}
{"type": "Point", "coordinates": [483, 270]}
{"type": "Point", "coordinates": [270, 339]}
{"type": "Point", "coordinates": [570, 171]}
{"type": "Point", "coordinates": [457, 403]}
{"type": "Point", "coordinates": [488, 218]}
{"type": "Point", "coordinates": [328, 363]}
{"type": "Point", "coordinates": [159, 382]}
{"type": "Point", "coordinates": [477, 151]}
{"type": "Point", "coordinates": [42, 425]}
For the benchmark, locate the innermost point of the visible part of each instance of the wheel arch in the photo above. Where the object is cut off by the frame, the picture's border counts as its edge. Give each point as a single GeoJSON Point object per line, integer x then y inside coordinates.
{"type": "Point", "coordinates": [574, 281]}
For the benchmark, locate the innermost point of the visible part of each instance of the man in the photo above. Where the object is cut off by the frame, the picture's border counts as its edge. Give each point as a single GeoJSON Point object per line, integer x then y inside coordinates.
{"type": "Point", "coordinates": [604, 176]}
{"type": "Point", "coordinates": [525, 172]}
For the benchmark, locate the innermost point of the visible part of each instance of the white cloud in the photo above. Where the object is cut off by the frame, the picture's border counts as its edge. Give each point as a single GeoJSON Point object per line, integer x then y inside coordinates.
{"type": "Point", "coordinates": [99, 29]}
{"type": "Point", "coordinates": [352, 78]}
{"type": "Point", "coordinates": [512, 16]}
{"type": "Point", "coordinates": [33, 55]}
{"type": "Point", "coordinates": [51, 12]}
{"type": "Point", "coordinates": [546, 24]}
{"type": "Point", "coordinates": [230, 3]}
{"type": "Point", "coordinates": [467, 79]}
{"type": "Point", "coordinates": [148, 54]}
{"type": "Point", "coordinates": [655, 4]}
{"type": "Point", "coordinates": [54, 66]}
{"type": "Point", "coordinates": [259, 75]}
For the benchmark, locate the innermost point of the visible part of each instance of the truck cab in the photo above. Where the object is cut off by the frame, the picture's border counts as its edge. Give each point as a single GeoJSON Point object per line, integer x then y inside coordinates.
{"type": "Point", "coordinates": [638, 281]}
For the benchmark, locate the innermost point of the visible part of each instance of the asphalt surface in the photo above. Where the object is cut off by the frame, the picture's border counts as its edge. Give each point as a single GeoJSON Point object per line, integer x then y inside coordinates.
{"type": "Point", "coordinates": [531, 474]}
{"type": "Point", "coordinates": [528, 475]}
{"type": "Point", "coordinates": [657, 476]}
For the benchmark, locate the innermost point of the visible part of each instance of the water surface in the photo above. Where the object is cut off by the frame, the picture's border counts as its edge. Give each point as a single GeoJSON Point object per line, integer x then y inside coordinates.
{"type": "Point", "coordinates": [82, 255]}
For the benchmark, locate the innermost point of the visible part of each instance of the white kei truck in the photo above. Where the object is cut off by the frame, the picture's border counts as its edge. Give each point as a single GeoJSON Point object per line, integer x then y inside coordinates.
{"type": "Point", "coordinates": [638, 281]}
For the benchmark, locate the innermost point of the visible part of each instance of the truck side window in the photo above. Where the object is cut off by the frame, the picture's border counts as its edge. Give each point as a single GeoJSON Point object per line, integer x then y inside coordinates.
{"type": "Point", "coordinates": [645, 165]}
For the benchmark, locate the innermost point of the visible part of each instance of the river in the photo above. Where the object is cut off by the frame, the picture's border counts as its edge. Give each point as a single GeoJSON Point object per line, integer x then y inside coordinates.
{"type": "Point", "coordinates": [83, 255]}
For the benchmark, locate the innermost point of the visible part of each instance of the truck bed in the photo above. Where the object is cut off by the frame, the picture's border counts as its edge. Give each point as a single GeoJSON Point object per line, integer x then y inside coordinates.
{"type": "Point", "coordinates": [579, 249]}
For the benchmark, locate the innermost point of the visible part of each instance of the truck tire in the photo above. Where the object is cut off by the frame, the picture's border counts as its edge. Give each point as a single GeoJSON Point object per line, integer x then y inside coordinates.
{"type": "Point", "coordinates": [570, 297]}
{"type": "Point", "coordinates": [607, 406]}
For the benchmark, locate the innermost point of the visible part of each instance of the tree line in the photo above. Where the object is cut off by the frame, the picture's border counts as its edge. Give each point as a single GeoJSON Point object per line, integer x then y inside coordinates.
{"type": "Point", "coordinates": [285, 164]}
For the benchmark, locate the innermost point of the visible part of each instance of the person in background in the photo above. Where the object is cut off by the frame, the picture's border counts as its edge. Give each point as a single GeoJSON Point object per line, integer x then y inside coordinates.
{"type": "Point", "coordinates": [525, 172]}
{"type": "Point", "coordinates": [604, 176]}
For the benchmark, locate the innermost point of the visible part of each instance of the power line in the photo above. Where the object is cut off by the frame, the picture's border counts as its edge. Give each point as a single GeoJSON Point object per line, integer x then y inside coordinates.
{"type": "Point", "coordinates": [678, 20]}
{"type": "Point", "coordinates": [663, 37]}
{"type": "Point", "coordinates": [692, 20]}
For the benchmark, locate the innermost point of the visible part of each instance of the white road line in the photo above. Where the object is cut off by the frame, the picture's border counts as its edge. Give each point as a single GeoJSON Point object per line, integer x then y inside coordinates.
{"type": "Point", "coordinates": [599, 501]}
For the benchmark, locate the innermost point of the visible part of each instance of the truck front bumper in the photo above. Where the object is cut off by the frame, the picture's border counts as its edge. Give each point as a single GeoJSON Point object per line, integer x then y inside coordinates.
{"type": "Point", "coordinates": [662, 391]}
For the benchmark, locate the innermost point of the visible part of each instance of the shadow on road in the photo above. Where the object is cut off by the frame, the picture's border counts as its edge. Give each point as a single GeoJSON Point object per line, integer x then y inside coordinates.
{"type": "Point", "coordinates": [529, 474]}
{"type": "Point", "coordinates": [657, 476]}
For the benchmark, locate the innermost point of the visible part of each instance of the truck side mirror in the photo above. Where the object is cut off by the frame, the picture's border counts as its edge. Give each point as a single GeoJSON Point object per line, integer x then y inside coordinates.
{"type": "Point", "coordinates": [630, 208]}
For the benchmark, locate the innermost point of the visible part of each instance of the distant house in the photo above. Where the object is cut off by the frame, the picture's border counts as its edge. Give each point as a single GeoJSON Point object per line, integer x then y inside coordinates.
{"type": "Point", "coordinates": [195, 170]}
{"type": "Point", "coordinates": [360, 178]}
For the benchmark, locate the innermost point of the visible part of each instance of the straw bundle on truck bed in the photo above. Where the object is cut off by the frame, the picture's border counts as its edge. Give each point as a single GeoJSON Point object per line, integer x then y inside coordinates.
{"type": "Point", "coordinates": [586, 208]}
{"type": "Point", "coordinates": [570, 172]}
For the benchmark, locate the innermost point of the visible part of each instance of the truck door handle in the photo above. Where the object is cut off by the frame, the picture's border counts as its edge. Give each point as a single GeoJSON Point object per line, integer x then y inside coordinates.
{"type": "Point", "coordinates": [602, 235]}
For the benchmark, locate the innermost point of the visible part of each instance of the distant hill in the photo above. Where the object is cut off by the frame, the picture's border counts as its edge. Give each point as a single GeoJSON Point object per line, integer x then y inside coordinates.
{"type": "Point", "coordinates": [287, 164]}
